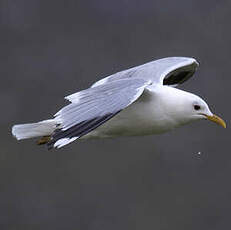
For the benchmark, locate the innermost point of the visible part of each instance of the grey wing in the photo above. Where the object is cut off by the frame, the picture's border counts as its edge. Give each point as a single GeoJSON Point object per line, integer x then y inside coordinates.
{"type": "Point", "coordinates": [92, 107]}
{"type": "Point", "coordinates": [168, 71]}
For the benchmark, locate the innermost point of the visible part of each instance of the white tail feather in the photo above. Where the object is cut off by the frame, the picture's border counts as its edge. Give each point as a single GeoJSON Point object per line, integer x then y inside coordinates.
{"type": "Point", "coordinates": [42, 128]}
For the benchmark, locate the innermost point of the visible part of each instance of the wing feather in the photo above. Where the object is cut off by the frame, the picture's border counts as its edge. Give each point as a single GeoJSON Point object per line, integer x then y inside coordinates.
{"type": "Point", "coordinates": [168, 71]}
{"type": "Point", "coordinates": [92, 107]}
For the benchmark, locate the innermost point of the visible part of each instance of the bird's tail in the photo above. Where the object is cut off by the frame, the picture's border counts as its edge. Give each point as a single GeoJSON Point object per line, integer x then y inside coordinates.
{"type": "Point", "coordinates": [40, 129]}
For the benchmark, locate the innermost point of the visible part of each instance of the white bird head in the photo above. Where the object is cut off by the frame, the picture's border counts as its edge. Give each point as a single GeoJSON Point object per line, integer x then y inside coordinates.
{"type": "Point", "coordinates": [184, 107]}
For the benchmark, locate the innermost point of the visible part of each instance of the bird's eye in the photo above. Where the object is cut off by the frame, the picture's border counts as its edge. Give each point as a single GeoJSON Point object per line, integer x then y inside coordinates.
{"type": "Point", "coordinates": [197, 107]}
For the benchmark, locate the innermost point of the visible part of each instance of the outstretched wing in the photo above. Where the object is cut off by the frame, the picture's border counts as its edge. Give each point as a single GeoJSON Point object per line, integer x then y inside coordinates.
{"type": "Point", "coordinates": [168, 71]}
{"type": "Point", "coordinates": [92, 107]}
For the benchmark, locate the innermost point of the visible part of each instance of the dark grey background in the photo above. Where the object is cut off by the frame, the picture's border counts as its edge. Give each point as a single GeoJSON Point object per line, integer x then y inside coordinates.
{"type": "Point", "coordinates": [49, 49]}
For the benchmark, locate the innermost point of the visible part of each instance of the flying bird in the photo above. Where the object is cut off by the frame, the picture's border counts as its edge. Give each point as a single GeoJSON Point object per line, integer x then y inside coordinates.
{"type": "Point", "coordinates": [139, 101]}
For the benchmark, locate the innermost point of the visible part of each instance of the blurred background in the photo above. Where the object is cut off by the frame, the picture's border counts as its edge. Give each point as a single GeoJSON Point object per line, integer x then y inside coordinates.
{"type": "Point", "coordinates": [49, 49]}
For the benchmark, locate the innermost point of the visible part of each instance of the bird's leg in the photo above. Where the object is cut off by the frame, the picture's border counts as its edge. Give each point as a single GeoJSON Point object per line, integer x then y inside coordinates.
{"type": "Point", "coordinates": [44, 140]}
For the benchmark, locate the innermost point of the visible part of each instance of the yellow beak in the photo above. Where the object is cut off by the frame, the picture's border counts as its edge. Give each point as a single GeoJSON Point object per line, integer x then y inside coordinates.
{"type": "Point", "coordinates": [216, 119]}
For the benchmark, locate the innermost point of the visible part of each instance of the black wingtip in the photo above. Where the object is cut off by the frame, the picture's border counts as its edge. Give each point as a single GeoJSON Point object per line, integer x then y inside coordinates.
{"type": "Point", "coordinates": [79, 130]}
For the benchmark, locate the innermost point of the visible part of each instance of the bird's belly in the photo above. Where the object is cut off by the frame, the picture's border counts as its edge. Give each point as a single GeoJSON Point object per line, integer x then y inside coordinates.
{"type": "Point", "coordinates": [138, 119]}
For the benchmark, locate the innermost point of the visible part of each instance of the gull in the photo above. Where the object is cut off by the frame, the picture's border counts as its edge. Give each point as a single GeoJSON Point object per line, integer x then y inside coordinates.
{"type": "Point", "coordinates": [139, 101]}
